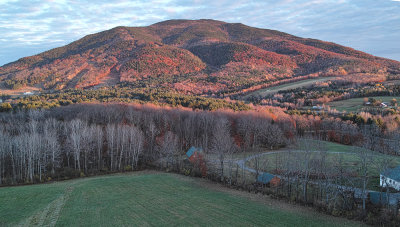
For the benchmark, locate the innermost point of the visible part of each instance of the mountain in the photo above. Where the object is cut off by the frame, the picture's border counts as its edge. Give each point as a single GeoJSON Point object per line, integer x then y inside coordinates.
{"type": "Point", "coordinates": [189, 56]}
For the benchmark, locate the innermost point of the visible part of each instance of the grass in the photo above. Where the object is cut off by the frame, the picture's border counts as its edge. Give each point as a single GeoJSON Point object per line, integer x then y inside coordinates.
{"type": "Point", "coordinates": [144, 199]}
{"type": "Point", "coordinates": [356, 104]}
{"type": "Point", "coordinates": [294, 85]}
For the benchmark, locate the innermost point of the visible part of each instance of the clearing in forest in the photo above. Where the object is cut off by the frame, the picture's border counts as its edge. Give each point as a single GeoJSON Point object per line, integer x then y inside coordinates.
{"type": "Point", "coordinates": [293, 85]}
{"type": "Point", "coordinates": [357, 104]}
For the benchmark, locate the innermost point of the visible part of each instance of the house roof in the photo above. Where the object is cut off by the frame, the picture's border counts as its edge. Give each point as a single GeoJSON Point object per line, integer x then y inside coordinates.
{"type": "Point", "coordinates": [393, 174]}
{"type": "Point", "coordinates": [265, 178]}
{"type": "Point", "coordinates": [191, 151]}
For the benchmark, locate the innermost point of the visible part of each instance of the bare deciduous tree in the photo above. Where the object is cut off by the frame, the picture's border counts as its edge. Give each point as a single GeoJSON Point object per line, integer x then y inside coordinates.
{"type": "Point", "coordinates": [222, 143]}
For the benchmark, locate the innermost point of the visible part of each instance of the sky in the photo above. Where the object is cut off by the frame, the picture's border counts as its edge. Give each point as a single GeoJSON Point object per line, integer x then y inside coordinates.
{"type": "Point", "coordinates": [29, 27]}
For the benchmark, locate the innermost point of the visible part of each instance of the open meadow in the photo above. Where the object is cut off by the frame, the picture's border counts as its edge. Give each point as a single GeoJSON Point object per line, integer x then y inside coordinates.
{"type": "Point", "coordinates": [287, 86]}
{"type": "Point", "coordinates": [356, 104]}
{"type": "Point", "coordinates": [148, 199]}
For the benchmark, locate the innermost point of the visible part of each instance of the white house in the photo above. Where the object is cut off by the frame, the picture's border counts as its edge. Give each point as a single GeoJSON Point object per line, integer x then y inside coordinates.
{"type": "Point", "coordinates": [28, 93]}
{"type": "Point", "coordinates": [391, 178]}
{"type": "Point", "coordinates": [318, 107]}
{"type": "Point", "coordinates": [1, 100]}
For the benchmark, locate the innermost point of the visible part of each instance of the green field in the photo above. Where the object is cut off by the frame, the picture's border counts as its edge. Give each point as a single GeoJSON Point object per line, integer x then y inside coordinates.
{"type": "Point", "coordinates": [294, 85]}
{"type": "Point", "coordinates": [146, 199]}
{"type": "Point", "coordinates": [356, 104]}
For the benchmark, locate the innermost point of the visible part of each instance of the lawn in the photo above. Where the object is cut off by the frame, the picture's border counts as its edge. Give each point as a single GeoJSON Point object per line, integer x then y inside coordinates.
{"type": "Point", "coordinates": [145, 199]}
{"type": "Point", "coordinates": [356, 104]}
{"type": "Point", "coordinates": [294, 85]}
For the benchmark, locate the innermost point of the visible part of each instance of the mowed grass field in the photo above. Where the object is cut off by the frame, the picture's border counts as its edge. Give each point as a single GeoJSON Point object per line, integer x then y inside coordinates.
{"type": "Point", "coordinates": [356, 104]}
{"type": "Point", "coordinates": [146, 199]}
{"type": "Point", "coordinates": [294, 85]}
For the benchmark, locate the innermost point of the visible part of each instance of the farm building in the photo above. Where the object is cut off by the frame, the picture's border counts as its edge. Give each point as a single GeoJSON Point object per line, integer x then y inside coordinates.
{"type": "Point", "coordinates": [391, 178]}
{"type": "Point", "coordinates": [267, 178]}
{"type": "Point", "coordinates": [196, 157]}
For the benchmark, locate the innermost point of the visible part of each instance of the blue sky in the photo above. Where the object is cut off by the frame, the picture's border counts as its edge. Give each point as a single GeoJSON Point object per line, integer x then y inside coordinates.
{"type": "Point", "coordinates": [29, 27]}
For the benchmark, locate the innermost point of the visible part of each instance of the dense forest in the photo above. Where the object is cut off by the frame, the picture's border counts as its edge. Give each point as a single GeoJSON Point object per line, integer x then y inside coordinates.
{"type": "Point", "coordinates": [119, 94]}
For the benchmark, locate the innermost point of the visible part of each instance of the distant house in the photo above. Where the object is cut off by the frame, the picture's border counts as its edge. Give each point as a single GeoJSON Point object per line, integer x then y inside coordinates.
{"type": "Point", "coordinates": [383, 105]}
{"type": "Point", "coordinates": [28, 93]}
{"type": "Point", "coordinates": [317, 107]}
{"type": "Point", "coordinates": [1, 100]}
{"type": "Point", "coordinates": [368, 103]}
{"type": "Point", "coordinates": [391, 178]}
{"type": "Point", "coordinates": [267, 178]}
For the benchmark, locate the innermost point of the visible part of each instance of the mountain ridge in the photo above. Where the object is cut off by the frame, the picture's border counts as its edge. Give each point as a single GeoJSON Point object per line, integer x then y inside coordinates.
{"type": "Point", "coordinates": [213, 56]}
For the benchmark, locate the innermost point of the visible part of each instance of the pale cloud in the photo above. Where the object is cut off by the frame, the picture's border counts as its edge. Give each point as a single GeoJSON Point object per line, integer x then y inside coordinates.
{"type": "Point", "coordinates": [29, 27]}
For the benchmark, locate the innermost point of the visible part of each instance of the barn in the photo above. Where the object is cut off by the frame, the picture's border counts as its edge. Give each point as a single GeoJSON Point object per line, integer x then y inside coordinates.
{"type": "Point", "coordinates": [391, 178]}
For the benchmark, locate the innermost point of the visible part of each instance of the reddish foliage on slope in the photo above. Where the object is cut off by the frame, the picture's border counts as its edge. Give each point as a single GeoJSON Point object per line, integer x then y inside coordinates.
{"type": "Point", "coordinates": [207, 55]}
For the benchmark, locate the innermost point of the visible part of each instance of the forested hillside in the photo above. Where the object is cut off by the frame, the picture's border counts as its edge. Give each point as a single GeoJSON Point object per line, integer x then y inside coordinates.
{"type": "Point", "coordinates": [199, 56]}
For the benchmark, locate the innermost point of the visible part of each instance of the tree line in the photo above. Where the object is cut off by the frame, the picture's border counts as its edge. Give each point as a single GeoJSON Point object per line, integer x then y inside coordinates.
{"type": "Point", "coordinates": [37, 146]}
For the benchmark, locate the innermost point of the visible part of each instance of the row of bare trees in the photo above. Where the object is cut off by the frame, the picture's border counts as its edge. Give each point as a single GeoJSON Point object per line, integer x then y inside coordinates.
{"type": "Point", "coordinates": [88, 139]}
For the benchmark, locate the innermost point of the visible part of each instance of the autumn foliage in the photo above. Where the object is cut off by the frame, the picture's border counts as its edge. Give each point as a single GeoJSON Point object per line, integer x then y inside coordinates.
{"type": "Point", "coordinates": [201, 57]}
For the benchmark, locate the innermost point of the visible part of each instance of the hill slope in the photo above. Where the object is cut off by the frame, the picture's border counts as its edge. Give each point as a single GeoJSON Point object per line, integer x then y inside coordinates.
{"type": "Point", "coordinates": [201, 57]}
